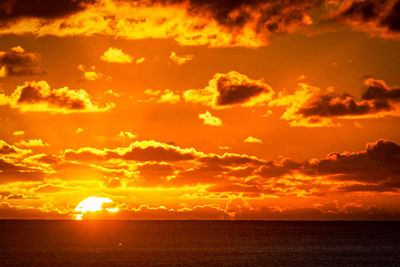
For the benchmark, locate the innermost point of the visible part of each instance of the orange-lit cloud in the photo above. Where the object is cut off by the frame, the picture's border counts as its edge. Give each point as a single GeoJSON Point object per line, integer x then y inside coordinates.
{"type": "Point", "coordinates": [252, 139]}
{"type": "Point", "coordinates": [140, 60]}
{"type": "Point", "coordinates": [159, 96]}
{"type": "Point", "coordinates": [180, 60]}
{"type": "Point", "coordinates": [40, 97]}
{"type": "Point", "coordinates": [110, 92]}
{"type": "Point", "coordinates": [18, 133]}
{"type": "Point", "coordinates": [127, 135]}
{"type": "Point", "coordinates": [209, 119]}
{"type": "Point", "coordinates": [89, 73]}
{"type": "Point", "coordinates": [116, 55]}
{"type": "Point", "coordinates": [32, 143]}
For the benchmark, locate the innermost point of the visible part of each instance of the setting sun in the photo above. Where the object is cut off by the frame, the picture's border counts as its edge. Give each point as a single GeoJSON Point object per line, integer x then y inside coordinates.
{"type": "Point", "coordinates": [93, 204]}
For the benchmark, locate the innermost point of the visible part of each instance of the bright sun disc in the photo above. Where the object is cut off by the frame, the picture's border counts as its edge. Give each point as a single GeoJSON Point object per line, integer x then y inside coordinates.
{"type": "Point", "coordinates": [92, 204]}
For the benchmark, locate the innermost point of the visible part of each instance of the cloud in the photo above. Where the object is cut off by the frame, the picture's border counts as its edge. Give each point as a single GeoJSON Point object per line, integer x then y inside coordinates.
{"type": "Point", "coordinates": [209, 119]}
{"type": "Point", "coordinates": [237, 186]}
{"type": "Point", "coordinates": [3, 99]}
{"type": "Point", "coordinates": [116, 55]}
{"type": "Point", "coordinates": [159, 96]}
{"type": "Point", "coordinates": [40, 97]}
{"type": "Point", "coordinates": [140, 60]}
{"type": "Point", "coordinates": [17, 62]}
{"type": "Point", "coordinates": [180, 60]}
{"type": "Point", "coordinates": [138, 151]}
{"type": "Point", "coordinates": [189, 22]}
{"type": "Point", "coordinates": [231, 159]}
{"type": "Point", "coordinates": [13, 167]}
{"type": "Point", "coordinates": [49, 188]}
{"type": "Point", "coordinates": [252, 139]}
{"type": "Point", "coordinates": [374, 169]}
{"type": "Point", "coordinates": [379, 162]}
{"type": "Point", "coordinates": [46, 9]}
{"type": "Point", "coordinates": [110, 92]}
{"type": "Point", "coordinates": [18, 133]}
{"type": "Point", "coordinates": [230, 89]}
{"type": "Point", "coordinates": [8, 211]}
{"type": "Point", "coordinates": [127, 135]}
{"type": "Point", "coordinates": [309, 107]}
{"type": "Point", "coordinates": [154, 174]}
{"type": "Point", "coordinates": [153, 151]}
{"type": "Point", "coordinates": [378, 18]}
{"type": "Point", "coordinates": [146, 212]}
{"type": "Point", "coordinates": [6, 149]}
{"type": "Point", "coordinates": [32, 143]}
{"type": "Point", "coordinates": [235, 209]}
{"type": "Point", "coordinates": [90, 73]}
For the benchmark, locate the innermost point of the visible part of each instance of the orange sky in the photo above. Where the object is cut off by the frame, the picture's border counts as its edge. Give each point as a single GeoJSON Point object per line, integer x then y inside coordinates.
{"type": "Point", "coordinates": [189, 109]}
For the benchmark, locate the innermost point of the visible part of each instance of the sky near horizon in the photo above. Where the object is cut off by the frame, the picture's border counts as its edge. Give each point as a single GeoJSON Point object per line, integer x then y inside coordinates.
{"type": "Point", "coordinates": [190, 109]}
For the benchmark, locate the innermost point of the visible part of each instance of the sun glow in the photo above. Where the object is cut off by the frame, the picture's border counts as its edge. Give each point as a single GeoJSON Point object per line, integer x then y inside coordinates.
{"type": "Point", "coordinates": [93, 204]}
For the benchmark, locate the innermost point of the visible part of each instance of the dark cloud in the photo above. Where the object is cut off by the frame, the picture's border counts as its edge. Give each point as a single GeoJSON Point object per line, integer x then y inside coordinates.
{"type": "Point", "coordinates": [154, 154]}
{"type": "Point", "coordinates": [6, 149]}
{"type": "Point", "coordinates": [246, 23]}
{"type": "Point", "coordinates": [17, 62]}
{"type": "Point", "coordinates": [378, 167]}
{"type": "Point", "coordinates": [229, 89]}
{"type": "Point", "coordinates": [9, 212]}
{"type": "Point", "coordinates": [378, 97]}
{"type": "Point", "coordinates": [392, 20]}
{"type": "Point", "coordinates": [36, 94]}
{"type": "Point", "coordinates": [364, 10]}
{"type": "Point", "coordinates": [40, 97]}
{"type": "Point", "coordinates": [375, 16]}
{"type": "Point", "coordinates": [316, 109]}
{"type": "Point", "coordinates": [11, 171]}
{"type": "Point", "coordinates": [208, 173]}
{"type": "Point", "coordinates": [48, 9]}
{"type": "Point", "coordinates": [231, 93]}
{"type": "Point", "coordinates": [367, 188]}
{"type": "Point", "coordinates": [201, 212]}
{"type": "Point", "coordinates": [7, 167]}
{"type": "Point", "coordinates": [348, 212]}
{"type": "Point", "coordinates": [334, 106]}
{"type": "Point", "coordinates": [266, 15]}
{"type": "Point", "coordinates": [154, 174]}
{"type": "Point", "coordinates": [379, 90]}
{"type": "Point", "coordinates": [278, 169]}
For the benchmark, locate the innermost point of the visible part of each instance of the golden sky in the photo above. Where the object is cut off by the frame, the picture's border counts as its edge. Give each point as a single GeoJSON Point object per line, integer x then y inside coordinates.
{"type": "Point", "coordinates": [200, 109]}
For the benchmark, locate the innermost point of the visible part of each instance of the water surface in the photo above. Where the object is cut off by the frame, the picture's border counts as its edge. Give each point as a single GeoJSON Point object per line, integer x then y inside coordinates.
{"type": "Point", "coordinates": [205, 243]}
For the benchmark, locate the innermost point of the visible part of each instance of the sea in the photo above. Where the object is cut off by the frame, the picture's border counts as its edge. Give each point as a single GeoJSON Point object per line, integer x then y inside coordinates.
{"type": "Point", "coordinates": [198, 243]}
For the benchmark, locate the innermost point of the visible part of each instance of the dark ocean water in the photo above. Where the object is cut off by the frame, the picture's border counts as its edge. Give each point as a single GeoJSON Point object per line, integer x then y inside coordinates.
{"type": "Point", "coordinates": [205, 243]}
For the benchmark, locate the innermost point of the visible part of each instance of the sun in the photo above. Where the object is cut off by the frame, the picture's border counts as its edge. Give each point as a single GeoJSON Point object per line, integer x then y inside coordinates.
{"type": "Point", "coordinates": [93, 204]}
